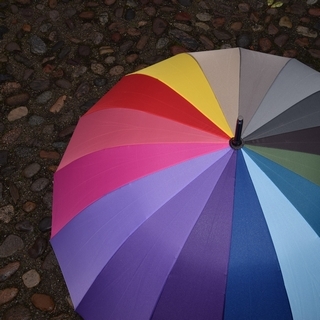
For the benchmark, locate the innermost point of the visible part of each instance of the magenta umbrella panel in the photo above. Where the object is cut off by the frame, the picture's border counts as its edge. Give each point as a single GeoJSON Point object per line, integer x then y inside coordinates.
{"type": "Point", "coordinates": [191, 190]}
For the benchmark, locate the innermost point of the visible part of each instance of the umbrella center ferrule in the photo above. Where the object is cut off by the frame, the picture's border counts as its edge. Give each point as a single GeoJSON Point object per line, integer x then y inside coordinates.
{"type": "Point", "coordinates": [236, 142]}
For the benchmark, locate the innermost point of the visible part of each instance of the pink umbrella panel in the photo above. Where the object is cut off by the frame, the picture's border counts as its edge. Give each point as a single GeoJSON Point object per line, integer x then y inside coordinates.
{"type": "Point", "coordinates": [157, 216]}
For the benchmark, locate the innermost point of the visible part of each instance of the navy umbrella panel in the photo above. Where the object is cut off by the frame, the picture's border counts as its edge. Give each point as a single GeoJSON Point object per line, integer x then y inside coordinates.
{"type": "Point", "coordinates": [161, 212]}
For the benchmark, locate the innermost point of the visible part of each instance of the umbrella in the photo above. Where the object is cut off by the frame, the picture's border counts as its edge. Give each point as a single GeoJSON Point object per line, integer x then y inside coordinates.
{"type": "Point", "coordinates": [191, 190]}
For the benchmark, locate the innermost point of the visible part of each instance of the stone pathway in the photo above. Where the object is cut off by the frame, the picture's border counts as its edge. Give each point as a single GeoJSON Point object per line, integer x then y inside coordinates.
{"type": "Point", "coordinates": [57, 59]}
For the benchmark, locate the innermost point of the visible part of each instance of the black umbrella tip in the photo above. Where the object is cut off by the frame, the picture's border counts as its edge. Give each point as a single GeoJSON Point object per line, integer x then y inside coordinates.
{"type": "Point", "coordinates": [236, 142]}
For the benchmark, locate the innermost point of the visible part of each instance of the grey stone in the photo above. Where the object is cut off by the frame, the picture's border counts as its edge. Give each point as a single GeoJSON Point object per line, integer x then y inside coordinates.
{"type": "Point", "coordinates": [64, 83]}
{"type": "Point", "coordinates": [129, 14]}
{"type": "Point", "coordinates": [39, 184]}
{"type": "Point", "coordinates": [38, 247]}
{"type": "Point", "coordinates": [35, 120]}
{"type": "Point", "coordinates": [100, 82]}
{"type": "Point", "coordinates": [103, 18]}
{"type": "Point", "coordinates": [185, 39]}
{"type": "Point", "coordinates": [31, 170]}
{"type": "Point", "coordinates": [31, 278]}
{"type": "Point", "coordinates": [44, 97]}
{"type": "Point", "coordinates": [10, 245]}
{"type": "Point", "coordinates": [222, 34]}
{"type": "Point", "coordinates": [162, 43]}
{"type": "Point", "coordinates": [82, 90]}
{"type": "Point", "coordinates": [45, 224]}
{"type": "Point", "coordinates": [44, 28]}
{"type": "Point", "coordinates": [21, 58]}
{"type": "Point", "coordinates": [244, 40]}
{"type": "Point", "coordinates": [54, 15]}
{"type": "Point", "coordinates": [24, 226]}
{"type": "Point", "coordinates": [37, 45]}
{"type": "Point", "coordinates": [40, 84]}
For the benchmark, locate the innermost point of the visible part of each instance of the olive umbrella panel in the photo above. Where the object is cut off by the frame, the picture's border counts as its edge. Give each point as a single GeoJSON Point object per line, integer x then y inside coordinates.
{"type": "Point", "coordinates": [161, 212]}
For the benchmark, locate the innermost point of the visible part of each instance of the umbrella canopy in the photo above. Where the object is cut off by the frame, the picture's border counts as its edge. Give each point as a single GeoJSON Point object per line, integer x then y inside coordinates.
{"type": "Point", "coordinates": [161, 212]}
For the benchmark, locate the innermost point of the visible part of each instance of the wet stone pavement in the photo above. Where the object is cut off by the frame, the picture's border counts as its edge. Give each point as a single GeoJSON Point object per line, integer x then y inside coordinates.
{"type": "Point", "coordinates": [57, 58]}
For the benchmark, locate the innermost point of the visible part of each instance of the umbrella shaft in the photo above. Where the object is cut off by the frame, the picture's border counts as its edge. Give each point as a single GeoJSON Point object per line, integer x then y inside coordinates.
{"type": "Point", "coordinates": [236, 142]}
{"type": "Point", "coordinates": [237, 136]}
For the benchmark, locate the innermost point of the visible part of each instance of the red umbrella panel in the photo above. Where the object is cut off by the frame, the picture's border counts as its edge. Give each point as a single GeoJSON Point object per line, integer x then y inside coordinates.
{"type": "Point", "coordinates": [160, 211]}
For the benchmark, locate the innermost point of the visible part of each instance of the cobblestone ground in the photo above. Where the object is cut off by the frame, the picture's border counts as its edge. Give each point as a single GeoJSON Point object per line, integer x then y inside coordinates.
{"type": "Point", "coordinates": [57, 58]}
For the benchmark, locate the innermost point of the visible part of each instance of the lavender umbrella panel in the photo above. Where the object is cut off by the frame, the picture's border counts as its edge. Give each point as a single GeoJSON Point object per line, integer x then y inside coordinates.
{"type": "Point", "coordinates": [159, 214]}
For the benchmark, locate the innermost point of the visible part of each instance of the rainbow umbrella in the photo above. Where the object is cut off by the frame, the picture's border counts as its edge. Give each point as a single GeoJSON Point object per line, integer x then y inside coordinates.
{"type": "Point", "coordinates": [161, 212]}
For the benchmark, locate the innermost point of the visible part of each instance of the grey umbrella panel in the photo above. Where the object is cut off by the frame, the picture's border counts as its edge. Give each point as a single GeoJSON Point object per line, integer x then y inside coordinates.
{"type": "Point", "coordinates": [293, 84]}
{"type": "Point", "coordinates": [305, 114]}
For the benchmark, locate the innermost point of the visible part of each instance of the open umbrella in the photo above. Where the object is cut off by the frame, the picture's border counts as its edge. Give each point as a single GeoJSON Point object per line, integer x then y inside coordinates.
{"type": "Point", "coordinates": [160, 211]}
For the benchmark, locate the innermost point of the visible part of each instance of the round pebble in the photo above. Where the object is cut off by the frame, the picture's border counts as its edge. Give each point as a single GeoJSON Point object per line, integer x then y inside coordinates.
{"type": "Point", "coordinates": [45, 224]}
{"type": "Point", "coordinates": [285, 22]}
{"type": "Point", "coordinates": [31, 170]}
{"type": "Point", "coordinates": [40, 84]}
{"type": "Point", "coordinates": [203, 16]}
{"type": "Point", "coordinates": [54, 15]}
{"type": "Point", "coordinates": [58, 105]}
{"type": "Point", "coordinates": [183, 26]}
{"type": "Point", "coordinates": [31, 278]}
{"type": "Point", "coordinates": [42, 302]}
{"type": "Point", "coordinates": [10, 87]}
{"type": "Point", "coordinates": [11, 136]}
{"type": "Point", "coordinates": [305, 31]}
{"type": "Point", "coordinates": [38, 247]}
{"type": "Point", "coordinates": [39, 184]}
{"type": "Point", "coordinates": [129, 14]}
{"type": "Point", "coordinates": [8, 270]}
{"type": "Point", "coordinates": [6, 213]}
{"type": "Point", "coordinates": [79, 71]}
{"type": "Point", "coordinates": [110, 60]}
{"type": "Point", "coordinates": [37, 45]}
{"type": "Point", "coordinates": [159, 26]}
{"type": "Point", "coordinates": [17, 113]}
{"type": "Point", "coordinates": [13, 46]}
{"type": "Point", "coordinates": [29, 206]}
{"type": "Point", "coordinates": [162, 43]}
{"type": "Point", "coordinates": [98, 68]}
{"type": "Point", "coordinates": [103, 18]}
{"type": "Point", "coordinates": [63, 83]}
{"type": "Point", "coordinates": [24, 226]}
{"type": "Point", "coordinates": [116, 70]}
{"type": "Point", "coordinates": [265, 44]}
{"type": "Point", "coordinates": [19, 99]}
{"type": "Point", "coordinates": [7, 295]}
{"type": "Point", "coordinates": [47, 198]}
{"type": "Point", "coordinates": [281, 40]}
{"type": "Point", "coordinates": [243, 7]}
{"type": "Point", "coordinates": [35, 120]}
{"type": "Point", "coordinates": [10, 245]}
{"type": "Point", "coordinates": [50, 261]}
{"type": "Point", "coordinates": [100, 82]}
